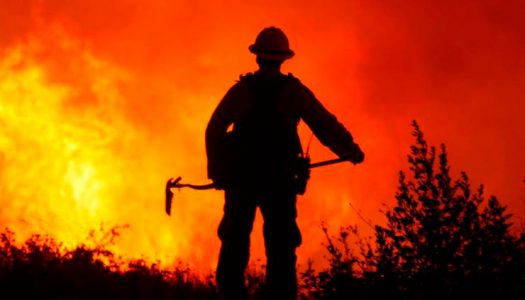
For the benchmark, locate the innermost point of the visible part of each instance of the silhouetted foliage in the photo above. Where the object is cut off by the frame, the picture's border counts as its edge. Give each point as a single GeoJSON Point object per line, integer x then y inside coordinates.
{"type": "Point", "coordinates": [346, 275]}
{"type": "Point", "coordinates": [41, 269]}
{"type": "Point", "coordinates": [441, 240]}
{"type": "Point", "coordinates": [444, 240]}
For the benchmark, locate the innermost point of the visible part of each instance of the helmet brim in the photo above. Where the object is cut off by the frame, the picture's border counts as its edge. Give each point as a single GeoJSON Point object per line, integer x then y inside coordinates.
{"type": "Point", "coordinates": [280, 56]}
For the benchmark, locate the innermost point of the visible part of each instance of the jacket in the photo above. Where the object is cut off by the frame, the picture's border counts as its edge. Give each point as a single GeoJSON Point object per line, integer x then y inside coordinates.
{"type": "Point", "coordinates": [252, 134]}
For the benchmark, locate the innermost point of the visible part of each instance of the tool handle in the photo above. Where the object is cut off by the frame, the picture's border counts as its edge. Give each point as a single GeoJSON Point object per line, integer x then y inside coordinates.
{"type": "Point", "coordinates": [328, 162]}
{"type": "Point", "coordinates": [175, 183]}
{"type": "Point", "coordinates": [195, 187]}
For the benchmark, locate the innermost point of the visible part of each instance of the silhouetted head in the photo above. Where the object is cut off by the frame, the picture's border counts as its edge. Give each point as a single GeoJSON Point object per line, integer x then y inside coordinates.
{"type": "Point", "coordinates": [272, 45]}
{"type": "Point", "coordinates": [268, 63]}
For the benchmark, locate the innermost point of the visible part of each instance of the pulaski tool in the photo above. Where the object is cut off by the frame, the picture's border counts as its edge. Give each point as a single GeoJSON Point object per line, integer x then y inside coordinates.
{"type": "Point", "coordinates": [175, 183]}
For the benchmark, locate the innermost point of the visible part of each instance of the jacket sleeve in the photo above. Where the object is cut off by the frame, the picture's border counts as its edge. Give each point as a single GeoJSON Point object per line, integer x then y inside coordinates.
{"type": "Point", "coordinates": [330, 132]}
{"type": "Point", "coordinates": [216, 133]}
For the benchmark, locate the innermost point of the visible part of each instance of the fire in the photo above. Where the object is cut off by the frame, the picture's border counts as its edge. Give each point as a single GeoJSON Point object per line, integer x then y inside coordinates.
{"type": "Point", "coordinates": [100, 103]}
{"type": "Point", "coordinates": [55, 154]}
{"type": "Point", "coordinates": [71, 159]}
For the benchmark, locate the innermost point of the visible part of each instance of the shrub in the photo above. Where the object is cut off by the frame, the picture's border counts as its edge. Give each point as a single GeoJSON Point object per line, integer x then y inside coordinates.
{"type": "Point", "coordinates": [441, 241]}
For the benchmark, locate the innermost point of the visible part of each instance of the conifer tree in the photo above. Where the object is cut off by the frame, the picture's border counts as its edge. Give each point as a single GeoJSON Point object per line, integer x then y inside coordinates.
{"type": "Point", "coordinates": [442, 239]}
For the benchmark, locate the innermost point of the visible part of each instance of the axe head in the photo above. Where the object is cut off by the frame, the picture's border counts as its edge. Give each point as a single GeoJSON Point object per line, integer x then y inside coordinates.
{"type": "Point", "coordinates": [169, 194]}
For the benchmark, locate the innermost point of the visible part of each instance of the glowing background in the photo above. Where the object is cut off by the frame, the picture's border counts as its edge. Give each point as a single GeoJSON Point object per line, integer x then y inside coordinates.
{"type": "Point", "coordinates": [101, 102]}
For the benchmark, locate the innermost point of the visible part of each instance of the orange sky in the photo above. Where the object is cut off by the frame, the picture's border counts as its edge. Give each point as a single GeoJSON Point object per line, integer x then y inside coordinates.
{"type": "Point", "coordinates": [101, 102]}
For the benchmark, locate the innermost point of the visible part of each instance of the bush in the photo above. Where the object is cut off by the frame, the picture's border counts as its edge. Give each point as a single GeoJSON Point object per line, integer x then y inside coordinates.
{"type": "Point", "coordinates": [42, 269]}
{"type": "Point", "coordinates": [441, 240]}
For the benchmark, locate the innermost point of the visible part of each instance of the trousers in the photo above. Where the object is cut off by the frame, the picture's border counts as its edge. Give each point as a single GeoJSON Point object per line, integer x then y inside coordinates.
{"type": "Point", "coordinates": [281, 238]}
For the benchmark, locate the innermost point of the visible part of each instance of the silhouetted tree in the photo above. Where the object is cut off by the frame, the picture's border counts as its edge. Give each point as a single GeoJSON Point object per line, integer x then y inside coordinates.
{"type": "Point", "coordinates": [444, 240]}
{"type": "Point", "coordinates": [441, 241]}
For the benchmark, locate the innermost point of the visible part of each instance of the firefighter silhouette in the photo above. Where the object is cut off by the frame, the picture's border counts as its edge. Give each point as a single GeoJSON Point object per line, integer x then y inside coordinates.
{"type": "Point", "coordinates": [253, 154]}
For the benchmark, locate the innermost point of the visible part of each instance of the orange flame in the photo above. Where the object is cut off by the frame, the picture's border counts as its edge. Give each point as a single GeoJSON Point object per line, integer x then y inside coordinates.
{"type": "Point", "coordinates": [101, 102]}
{"type": "Point", "coordinates": [71, 160]}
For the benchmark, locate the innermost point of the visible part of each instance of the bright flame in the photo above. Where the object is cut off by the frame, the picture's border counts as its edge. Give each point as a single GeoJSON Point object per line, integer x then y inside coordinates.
{"type": "Point", "coordinates": [72, 160]}
{"type": "Point", "coordinates": [94, 119]}
{"type": "Point", "coordinates": [59, 155]}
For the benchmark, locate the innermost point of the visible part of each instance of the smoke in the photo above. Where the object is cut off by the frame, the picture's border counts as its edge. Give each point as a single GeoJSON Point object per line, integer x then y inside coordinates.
{"type": "Point", "coordinates": [136, 82]}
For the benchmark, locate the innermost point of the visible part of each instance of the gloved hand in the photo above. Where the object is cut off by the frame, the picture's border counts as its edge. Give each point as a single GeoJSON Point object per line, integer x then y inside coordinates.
{"type": "Point", "coordinates": [220, 184]}
{"type": "Point", "coordinates": [356, 155]}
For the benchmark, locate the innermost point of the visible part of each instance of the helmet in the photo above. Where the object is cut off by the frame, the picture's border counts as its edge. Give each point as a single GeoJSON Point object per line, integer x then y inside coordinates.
{"type": "Point", "coordinates": [272, 44]}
